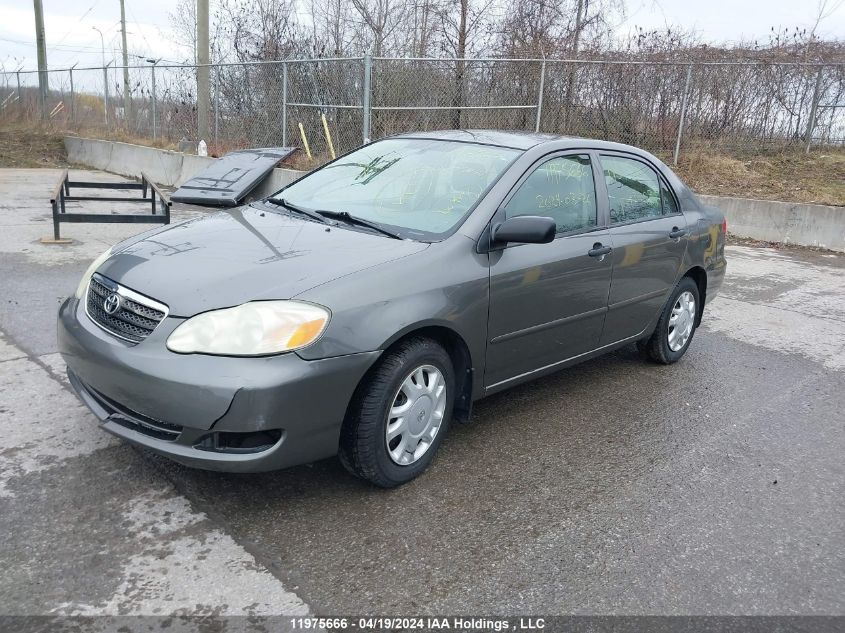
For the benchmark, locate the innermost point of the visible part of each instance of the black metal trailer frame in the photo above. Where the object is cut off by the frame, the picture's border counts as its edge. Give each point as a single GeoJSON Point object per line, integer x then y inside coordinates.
{"type": "Point", "coordinates": [159, 203]}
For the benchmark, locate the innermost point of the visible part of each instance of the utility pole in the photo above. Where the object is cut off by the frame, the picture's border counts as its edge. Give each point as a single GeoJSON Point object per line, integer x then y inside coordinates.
{"type": "Point", "coordinates": [127, 103]}
{"type": "Point", "coordinates": [203, 96]}
{"type": "Point", "coordinates": [42, 58]}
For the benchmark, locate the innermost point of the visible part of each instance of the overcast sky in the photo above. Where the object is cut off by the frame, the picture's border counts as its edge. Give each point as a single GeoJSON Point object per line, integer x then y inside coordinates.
{"type": "Point", "coordinates": [71, 37]}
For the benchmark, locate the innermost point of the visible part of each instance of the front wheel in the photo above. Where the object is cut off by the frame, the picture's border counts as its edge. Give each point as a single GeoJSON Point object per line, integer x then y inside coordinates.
{"type": "Point", "coordinates": [400, 414]}
{"type": "Point", "coordinates": [676, 326]}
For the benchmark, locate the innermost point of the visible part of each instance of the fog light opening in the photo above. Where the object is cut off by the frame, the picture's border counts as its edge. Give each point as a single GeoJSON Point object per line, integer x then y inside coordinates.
{"type": "Point", "coordinates": [234, 442]}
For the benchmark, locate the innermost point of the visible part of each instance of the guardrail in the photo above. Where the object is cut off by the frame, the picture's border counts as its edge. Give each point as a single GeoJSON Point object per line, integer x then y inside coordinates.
{"type": "Point", "coordinates": [158, 200]}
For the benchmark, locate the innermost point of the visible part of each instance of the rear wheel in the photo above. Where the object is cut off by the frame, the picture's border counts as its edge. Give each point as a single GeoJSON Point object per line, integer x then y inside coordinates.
{"type": "Point", "coordinates": [676, 326]}
{"type": "Point", "coordinates": [400, 414]}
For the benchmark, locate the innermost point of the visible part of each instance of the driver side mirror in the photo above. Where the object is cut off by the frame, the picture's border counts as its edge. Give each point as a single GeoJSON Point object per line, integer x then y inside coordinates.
{"type": "Point", "coordinates": [524, 229]}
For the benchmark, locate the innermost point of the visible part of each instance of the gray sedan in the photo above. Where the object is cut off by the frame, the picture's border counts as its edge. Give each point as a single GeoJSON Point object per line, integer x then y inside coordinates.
{"type": "Point", "coordinates": [365, 307]}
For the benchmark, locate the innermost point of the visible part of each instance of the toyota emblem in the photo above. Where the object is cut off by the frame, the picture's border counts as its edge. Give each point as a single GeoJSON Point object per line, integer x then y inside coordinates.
{"type": "Point", "coordinates": [111, 304]}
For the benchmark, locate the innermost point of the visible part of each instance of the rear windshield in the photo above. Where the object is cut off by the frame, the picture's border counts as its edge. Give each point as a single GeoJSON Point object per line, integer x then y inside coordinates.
{"type": "Point", "coordinates": [420, 188]}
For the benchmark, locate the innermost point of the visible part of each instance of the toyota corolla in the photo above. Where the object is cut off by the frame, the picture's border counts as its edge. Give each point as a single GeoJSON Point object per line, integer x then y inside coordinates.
{"type": "Point", "coordinates": [363, 308]}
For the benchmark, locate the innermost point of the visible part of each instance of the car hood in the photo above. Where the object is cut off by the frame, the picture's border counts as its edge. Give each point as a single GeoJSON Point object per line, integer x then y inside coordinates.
{"type": "Point", "coordinates": [243, 254]}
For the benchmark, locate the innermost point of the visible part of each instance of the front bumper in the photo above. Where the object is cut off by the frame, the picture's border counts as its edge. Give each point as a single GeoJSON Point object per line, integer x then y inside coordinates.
{"type": "Point", "coordinates": [174, 403]}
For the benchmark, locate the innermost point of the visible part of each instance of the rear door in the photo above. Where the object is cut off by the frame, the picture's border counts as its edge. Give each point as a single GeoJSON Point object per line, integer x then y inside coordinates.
{"type": "Point", "coordinates": [547, 301]}
{"type": "Point", "coordinates": [649, 235]}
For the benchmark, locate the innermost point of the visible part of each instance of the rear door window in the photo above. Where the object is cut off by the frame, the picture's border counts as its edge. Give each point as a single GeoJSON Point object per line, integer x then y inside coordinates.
{"type": "Point", "coordinates": [633, 190]}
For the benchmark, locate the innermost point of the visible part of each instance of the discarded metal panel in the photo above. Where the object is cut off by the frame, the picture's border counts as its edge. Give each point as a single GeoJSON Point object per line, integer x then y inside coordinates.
{"type": "Point", "coordinates": [228, 180]}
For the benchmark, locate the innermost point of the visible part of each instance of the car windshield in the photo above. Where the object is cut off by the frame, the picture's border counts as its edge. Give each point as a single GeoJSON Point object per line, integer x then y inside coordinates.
{"type": "Point", "coordinates": [420, 188]}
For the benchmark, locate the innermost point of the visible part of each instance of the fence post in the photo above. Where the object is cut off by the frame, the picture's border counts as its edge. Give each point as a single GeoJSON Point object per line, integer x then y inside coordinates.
{"type": "Point", "coordinates": [683, 116]}
{"type": "Point", "coordinates": [153, 71]}
{"type": "Point", "coordinates": [284, 104]}
{"type": "Point", "coordinates": [217, 107]}
{"type": "Point", "coordinates": [106, 93]}
{"type": "Point", "coordinates": [540, 97]}
{"type": "Point", "coordinates": [365, 99]}
{"type": "Point", "coordinates": [811, 122]}
{"type": "Point", "coordinates": [20, 96]}
{"type": "Point", "coordinates": [72, 99]}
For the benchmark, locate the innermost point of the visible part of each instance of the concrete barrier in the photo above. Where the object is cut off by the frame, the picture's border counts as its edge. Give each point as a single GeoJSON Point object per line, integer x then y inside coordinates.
{"type": "Point", "coordinates": [785, 222]}
{"type": "Point", "coordinates": [191, 166]}
{"type": "Point", "coordinates": [164, 167]}
{"type": "Point", "coordinates": [277, 179]}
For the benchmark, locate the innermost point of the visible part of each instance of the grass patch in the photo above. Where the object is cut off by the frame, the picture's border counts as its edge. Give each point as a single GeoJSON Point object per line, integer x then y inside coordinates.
{"type": "Point", "coordinates": [25, 146]}
{"type": "Point", "coordinates": [789, 176]}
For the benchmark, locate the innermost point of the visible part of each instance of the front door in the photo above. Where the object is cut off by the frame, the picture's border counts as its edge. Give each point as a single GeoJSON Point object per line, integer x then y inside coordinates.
{"type": "Point", "coordinates": [648, 232]}
{"type": "Point", "coordinates": [548, 301]}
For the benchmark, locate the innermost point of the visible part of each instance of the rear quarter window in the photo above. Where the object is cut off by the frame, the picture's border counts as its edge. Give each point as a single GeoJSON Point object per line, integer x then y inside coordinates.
{"type": "Point", "coordinates": [670, 204]}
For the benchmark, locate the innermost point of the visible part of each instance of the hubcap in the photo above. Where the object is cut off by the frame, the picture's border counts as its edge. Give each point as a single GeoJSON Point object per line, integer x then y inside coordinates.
{"type": "Point", "coordinates": [416, 414]}
{"type": "Point", "coordinates": [681, 321]}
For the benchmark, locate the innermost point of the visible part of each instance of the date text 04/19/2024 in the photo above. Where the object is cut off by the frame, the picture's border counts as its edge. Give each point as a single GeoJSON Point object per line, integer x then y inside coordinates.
{"type": "Point", "coordinates": [427, 623]}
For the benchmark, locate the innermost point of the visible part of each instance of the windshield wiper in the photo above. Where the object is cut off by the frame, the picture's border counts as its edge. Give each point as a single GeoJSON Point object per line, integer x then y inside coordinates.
{"type": "Point", "coordinates": [317, 216]}
{"type": "Point", "coordinates": [343, 216]}
{"type": "Point", "coordinates": [347, 217]}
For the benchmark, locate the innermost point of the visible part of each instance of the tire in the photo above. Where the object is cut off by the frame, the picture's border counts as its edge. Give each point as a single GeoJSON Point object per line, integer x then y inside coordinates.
{"type": "Point", "coordinates": [659, 346]}
{"type": "Point", "coordinates": [365, 449]}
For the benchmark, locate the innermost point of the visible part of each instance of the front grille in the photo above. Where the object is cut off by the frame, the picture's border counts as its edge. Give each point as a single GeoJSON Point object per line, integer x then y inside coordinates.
{"type": "Point", "coordinates": [127, 418]}
{"type": "Point", "coordinates": [136, 316]}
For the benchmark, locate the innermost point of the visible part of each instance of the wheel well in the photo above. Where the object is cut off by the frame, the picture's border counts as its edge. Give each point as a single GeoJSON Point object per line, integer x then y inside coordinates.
{"type": "Point", "coordinates": [699, 276]}
{"type": "Point", "coordinates": [461, 362]}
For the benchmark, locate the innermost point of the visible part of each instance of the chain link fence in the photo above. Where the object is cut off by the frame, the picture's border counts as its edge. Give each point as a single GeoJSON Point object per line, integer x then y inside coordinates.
{"type": "Point", "coordinates": [665, 107]}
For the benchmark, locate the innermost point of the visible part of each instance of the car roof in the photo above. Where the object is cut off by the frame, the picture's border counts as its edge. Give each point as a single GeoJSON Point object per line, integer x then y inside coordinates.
{"type": "Point", "coordinates": [515, 139]}
{"type": "Point", "coordinates": [520, 140]}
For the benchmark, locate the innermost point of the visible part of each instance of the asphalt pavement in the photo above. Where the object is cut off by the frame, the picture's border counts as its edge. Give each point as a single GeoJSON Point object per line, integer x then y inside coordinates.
{"type": "Point", "coordinates": [714, 486]}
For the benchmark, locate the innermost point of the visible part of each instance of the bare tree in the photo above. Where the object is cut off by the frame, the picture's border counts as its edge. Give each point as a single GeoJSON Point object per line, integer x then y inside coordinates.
{"type": "Point", "coordinates": [424, 19]}
{"type": "Point", "coordinates": [382, 19]}
{"type": "Point", "coordinates": [183, 21]}
{"type": "Point", "coordinates": [262, 29]}
{"type": "Point", "coordinates": [636, 103]}
{"type": "Point", "coordinates": [824, 10]}
{"type": "Point", "coordinates": [333, 30]}
{"type": "Point", "coordinates": [463, 26]}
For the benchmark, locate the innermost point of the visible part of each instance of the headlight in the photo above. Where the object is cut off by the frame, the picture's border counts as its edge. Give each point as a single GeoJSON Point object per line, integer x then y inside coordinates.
{"type": "Point", "coordinates": [83, 283]}
{"type": "Point", "coordinates": [252, 329]}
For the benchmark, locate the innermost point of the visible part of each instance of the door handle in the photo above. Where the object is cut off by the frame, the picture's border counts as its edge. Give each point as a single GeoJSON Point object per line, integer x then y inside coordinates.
{"type": "Point", "coordinates": [676, 232]}
{"type": "Point", "coordinates": [598, 250]}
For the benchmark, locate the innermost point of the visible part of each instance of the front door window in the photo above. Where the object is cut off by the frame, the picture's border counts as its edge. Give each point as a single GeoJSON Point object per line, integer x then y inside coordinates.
{"type": "Point", "coordinates": [562, 189]}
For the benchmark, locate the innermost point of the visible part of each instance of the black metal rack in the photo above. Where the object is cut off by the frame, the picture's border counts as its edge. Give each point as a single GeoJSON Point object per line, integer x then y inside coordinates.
{"type": "Point", "coordinates": [159, 203]}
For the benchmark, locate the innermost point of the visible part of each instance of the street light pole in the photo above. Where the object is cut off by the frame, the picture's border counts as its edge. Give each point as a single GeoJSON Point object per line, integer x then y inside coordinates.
{"type": "Point", "coordinates": [105, 77]}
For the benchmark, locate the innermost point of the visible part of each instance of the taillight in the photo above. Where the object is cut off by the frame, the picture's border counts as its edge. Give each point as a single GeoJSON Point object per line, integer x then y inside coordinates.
{"type": "Point", "coordinates": [724, 227]}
